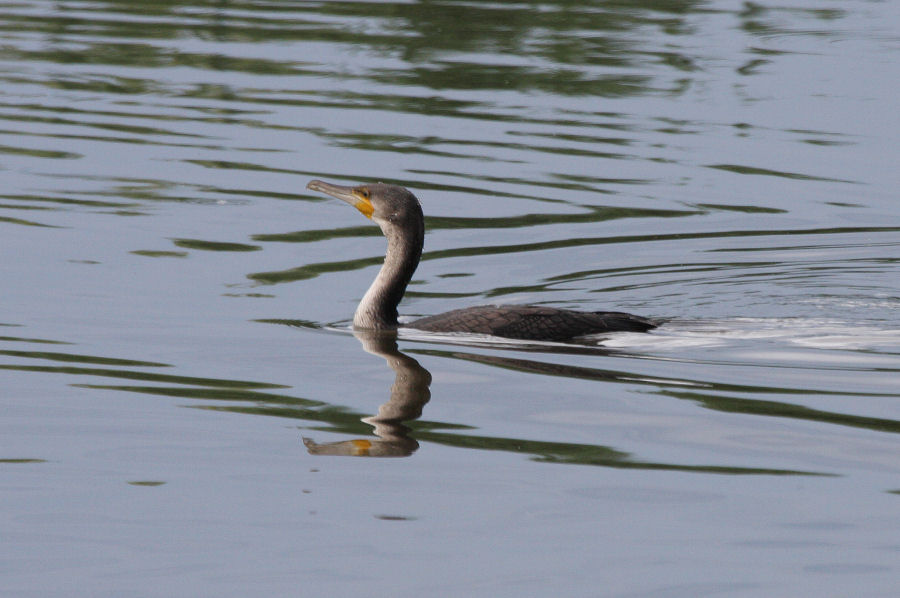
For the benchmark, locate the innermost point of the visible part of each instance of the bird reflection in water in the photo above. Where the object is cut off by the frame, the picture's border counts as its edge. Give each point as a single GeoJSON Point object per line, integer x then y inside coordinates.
{"type": "Point", "coordinates": [409, 393]}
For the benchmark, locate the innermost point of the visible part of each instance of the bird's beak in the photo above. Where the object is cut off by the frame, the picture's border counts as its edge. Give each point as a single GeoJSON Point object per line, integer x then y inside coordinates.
{"type": "Point", "coordinates": [352, 195]}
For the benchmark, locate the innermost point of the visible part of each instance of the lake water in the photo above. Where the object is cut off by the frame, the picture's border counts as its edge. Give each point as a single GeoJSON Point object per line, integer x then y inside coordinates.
{"type": "Point", "coordinates": [181, 392]}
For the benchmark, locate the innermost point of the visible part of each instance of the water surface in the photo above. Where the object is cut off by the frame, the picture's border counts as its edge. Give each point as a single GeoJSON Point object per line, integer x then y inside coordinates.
{"type": "Point", "coordinates": [181, 391]}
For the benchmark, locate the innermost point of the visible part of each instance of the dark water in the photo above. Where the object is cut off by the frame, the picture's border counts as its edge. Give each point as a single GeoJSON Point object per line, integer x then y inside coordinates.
{"type": "Point", "coordinates": [177, 375]}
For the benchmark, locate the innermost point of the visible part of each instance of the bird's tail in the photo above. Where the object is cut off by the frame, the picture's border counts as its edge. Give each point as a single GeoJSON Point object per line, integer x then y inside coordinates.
{"type": "Point", "coordinates": [627, 322]}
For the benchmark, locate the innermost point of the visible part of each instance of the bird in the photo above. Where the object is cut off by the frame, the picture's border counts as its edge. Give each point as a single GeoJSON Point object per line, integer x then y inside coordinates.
{"type": "Point", "coordinates": [399, 215]}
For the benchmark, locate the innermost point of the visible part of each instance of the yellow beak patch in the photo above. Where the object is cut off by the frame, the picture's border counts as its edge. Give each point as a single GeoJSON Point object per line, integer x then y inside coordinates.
{"type": "Point", "coordinates": [364, 206]}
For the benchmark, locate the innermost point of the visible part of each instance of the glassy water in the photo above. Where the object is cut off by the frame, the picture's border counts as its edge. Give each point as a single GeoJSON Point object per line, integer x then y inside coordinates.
{"type": "Point", "coordinates": [181, 391]}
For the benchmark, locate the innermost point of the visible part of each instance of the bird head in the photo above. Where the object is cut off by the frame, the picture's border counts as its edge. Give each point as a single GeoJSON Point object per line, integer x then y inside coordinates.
{"type": "Point", "coordinates": [387, 205]}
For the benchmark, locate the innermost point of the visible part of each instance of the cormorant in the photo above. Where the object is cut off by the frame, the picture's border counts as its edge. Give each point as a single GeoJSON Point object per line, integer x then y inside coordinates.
{"type": "Point", "coordinates": [397, 211]}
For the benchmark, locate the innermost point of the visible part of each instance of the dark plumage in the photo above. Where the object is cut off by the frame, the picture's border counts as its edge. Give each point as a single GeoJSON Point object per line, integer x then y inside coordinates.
{"type": "Point", "coordinates": [398, 213]}
{"type": "Point", "coordinates": [531, 322]}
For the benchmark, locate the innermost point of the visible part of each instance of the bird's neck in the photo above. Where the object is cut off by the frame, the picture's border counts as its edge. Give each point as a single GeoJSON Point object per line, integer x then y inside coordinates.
{"type": "Point", "coordinates": [378, 308]}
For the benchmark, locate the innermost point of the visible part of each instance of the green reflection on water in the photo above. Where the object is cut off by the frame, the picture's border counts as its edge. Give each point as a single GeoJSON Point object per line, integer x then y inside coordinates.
{"type": "Point", "coordinates": [574, 37]}
{"type": "Point", "coordinates": [69, 357]}
{"type": "Point", "coordinates": [38, 153]}
{"type": "Point", "coordinates": [26, 222]}
{"type": "Point", "coordinates": [780, 409]}
{"type": "Point", "coordinates": [739, 169]}
{"type": "Point", "coordinates": [214, 245]}
{"type": "Point", "coordinates": [155, 253]}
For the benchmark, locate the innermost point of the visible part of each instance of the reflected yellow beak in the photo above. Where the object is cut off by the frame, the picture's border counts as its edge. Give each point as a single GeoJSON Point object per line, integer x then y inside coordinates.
{"type": "Point", "coordinates": [352, 195]}
{"type": "Point", "coordinates": [361, 447]}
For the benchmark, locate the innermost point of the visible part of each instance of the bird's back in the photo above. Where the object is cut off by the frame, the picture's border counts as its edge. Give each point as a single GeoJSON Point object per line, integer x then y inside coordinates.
{"type": "Point", "coordinates": [531, 322]}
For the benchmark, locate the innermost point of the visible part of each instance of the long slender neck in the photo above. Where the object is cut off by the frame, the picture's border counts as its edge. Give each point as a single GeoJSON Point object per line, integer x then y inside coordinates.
{"type": "Point", "coordinates": [378, 308]}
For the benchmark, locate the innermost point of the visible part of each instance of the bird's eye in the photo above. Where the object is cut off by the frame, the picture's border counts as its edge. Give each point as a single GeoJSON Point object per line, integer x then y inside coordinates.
{"type": "Point", "coordinates": [364, 193]}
